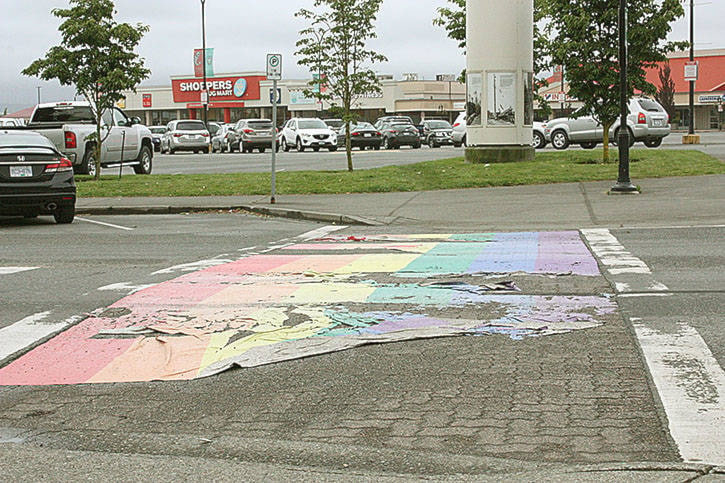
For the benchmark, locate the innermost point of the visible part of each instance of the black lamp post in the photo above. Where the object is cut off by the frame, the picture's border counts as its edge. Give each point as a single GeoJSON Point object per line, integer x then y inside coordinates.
{"type": "Point", "coordinates": [205, 91]}
{"type": "Point", "coordinates": [624, 184]}
{"type": "Point", "coordinates": [691, 127]}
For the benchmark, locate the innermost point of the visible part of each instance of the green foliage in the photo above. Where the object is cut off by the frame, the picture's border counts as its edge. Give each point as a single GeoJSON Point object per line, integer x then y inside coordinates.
{"type": "Point", "coordinates": [334, 47]}
{"type": "Point", "coordinates": [96, 56]}
{"type": "Point", "coordinates": [584, 38]}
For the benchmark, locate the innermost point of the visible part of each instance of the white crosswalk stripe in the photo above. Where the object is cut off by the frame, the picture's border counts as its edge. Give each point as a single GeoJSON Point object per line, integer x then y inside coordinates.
{"type": "Point", "coordinates": [11, 270]}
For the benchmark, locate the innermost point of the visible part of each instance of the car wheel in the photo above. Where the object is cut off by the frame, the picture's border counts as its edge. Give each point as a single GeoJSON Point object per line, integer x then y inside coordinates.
{"type": "Point", "coordinates": [316, 149]}
{"type": "Point", "coordinates": [653, 143]}
{"type": "Point", "coordinates": [539, 141]}
{"type": "Point", "coordinates": [588, 145]}
{"type": "Point", "coordinates": [230, 147]}
{"type": "Point", "coordinates": [464, 141]}
{"type": "Point", "coordinates": [285, 146]}
{"type": "Point", "coordinates": [417, 146]}
{"type": "Point", "coordinates": [88, 165]}
{"type": "Point", "coordinates": [376, 148]}
{"type": "Point", "coordinates": [559, 140]}
{"type": "Point", "coordinates": [386, 143]}
{"type": "Point", "coordinates": [144, 159]}
{"type": "Point", "coordinates": [334, 148]}
{"type": "Point", "coordinates": [300, 147]}
{"type": "Point", "coordinates": [64, 214]}
{"type": "Point", "coordinates": [171, 150]}
{"type": "Point", "coordinates": [261, 150]}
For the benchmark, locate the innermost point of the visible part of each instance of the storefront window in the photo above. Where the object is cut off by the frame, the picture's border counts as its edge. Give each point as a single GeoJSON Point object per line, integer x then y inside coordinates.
{"type": "Point", "coordinates": [501, 99]}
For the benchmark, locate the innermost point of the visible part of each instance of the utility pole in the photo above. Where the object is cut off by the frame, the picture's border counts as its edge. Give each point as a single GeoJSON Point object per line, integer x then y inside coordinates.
{"type": "Point", "coordinates": [691, 130]}
{"type": "Point", "coordinates": [205, 91]}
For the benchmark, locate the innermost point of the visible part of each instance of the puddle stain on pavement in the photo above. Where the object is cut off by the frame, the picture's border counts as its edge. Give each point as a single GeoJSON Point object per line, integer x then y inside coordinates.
{"type": "Point", "coordinates": [318, 298]}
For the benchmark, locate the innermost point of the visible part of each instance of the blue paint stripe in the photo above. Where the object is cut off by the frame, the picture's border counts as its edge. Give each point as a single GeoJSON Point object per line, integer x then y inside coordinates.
{"type": "Point", "coordinates": [509, 252]}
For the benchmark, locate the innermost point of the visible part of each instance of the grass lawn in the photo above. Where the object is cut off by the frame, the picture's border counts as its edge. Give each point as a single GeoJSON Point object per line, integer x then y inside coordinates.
{"type": "Point", "coordinates": [549, 167]}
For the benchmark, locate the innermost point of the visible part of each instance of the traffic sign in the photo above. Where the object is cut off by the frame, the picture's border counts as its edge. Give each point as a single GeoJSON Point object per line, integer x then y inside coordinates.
{"type": "Point", "coordinates": [691, 71]}
{"type": "Point", "coordinates": [271, 96]}
{"type": "Point", "coordinates": [274, 66]}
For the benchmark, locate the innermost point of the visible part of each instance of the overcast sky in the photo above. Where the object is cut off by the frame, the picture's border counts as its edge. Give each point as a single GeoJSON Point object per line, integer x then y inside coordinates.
{"type": "Point", "coordinates": [243, 32]}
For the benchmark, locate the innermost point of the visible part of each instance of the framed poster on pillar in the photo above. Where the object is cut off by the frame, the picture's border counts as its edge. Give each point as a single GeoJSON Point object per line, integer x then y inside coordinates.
{"type": "Point", "coordinates": [502, 92]}
{"type": "Point", "coordinates": [474, 96]}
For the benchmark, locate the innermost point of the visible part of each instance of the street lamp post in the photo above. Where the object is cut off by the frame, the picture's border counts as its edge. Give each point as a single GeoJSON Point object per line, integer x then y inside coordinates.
{"type": "Point", "coordinates": [205, 91]}
{"type": "Point", "coordinates": [691, 129]}
{"type": "Point", "coordinates": [39, 88]}
{"type": "Point", "coordinates": [624, 184]}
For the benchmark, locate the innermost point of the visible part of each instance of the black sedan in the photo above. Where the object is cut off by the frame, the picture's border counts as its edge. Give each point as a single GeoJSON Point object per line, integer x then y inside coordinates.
{"type": "Point", "coordinates": [400, 134]}
{"type": "Point", "coordinates": [35, 179]}
{"type": "Point", "coordinates": [362, 135]}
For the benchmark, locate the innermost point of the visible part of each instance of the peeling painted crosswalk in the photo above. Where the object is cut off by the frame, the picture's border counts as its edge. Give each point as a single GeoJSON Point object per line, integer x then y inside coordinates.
{"type": "Point", "coordinates": [324, 295]}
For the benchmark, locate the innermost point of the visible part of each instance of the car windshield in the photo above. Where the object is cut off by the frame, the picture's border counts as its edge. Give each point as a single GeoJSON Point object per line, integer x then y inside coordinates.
{"type": "Point", "coordinates": [439, 125]}
{"type": "Point", "coordinates": [649, 106]}
{"type": "Point", "coordinates": [334, 123]}
{"type": "Point", "coordinates": [402, 125]}
{"type": "Point", "coordinates": [158, 130]}
{"type": "Point", "coordinates": [363, 125]}
{"type": "Point", "coordinates": [312, 124]}
{"type": "Point", "coordinates": [190, 126]}
{"type": "Point", "coordinates": [63, 114]}
{"type": "Point", "coordinates": [260, 124]}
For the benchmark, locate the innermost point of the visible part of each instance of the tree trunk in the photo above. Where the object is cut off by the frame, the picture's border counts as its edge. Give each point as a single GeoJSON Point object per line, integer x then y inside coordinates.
{"type": "Point", "coordinates": [97, 147]}
{"type": "Point", "coordinates": [605, 142]}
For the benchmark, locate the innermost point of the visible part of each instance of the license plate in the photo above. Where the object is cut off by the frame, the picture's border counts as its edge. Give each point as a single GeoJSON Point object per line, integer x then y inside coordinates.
{"type": "Point", "coordinates": [657, 122]}
{"type": "Point", "coordinates": [21, 172]}
{"type": "Point", "coordinates": [367, 135]}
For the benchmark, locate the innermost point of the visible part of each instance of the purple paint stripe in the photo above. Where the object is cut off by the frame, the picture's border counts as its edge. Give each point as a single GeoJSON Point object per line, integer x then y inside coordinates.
{"type": "Point", "coordinates": [565, 252]}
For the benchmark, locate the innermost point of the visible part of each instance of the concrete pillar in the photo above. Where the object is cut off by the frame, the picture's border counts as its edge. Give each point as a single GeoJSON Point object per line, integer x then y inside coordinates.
{"type": "Point", "coordinates": [500, 64]}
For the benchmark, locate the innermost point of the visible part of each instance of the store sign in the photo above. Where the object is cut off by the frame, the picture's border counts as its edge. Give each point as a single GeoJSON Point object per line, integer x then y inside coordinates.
{"type": "Point", "coordinates": [147, 100]}
{"type": "Point", "coordinates": [219, 89]}
{"type": "Point", "coordinates": [710, 99]}
{"type": "Point", "coordinates": [298, 97]}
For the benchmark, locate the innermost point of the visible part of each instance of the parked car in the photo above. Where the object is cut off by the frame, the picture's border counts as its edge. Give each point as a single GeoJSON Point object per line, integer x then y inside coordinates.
{"type": "Point", "coordinates": [436, 133]}
{"type": "Point", "coordinates": [539, 136]}
{"type": "Point", "coordinates": [156, 133]}
{"type": "Point", "coordinates": [648, 122]}
{"type": "Point", "coordinates": [334, 124]}
{"type": "Point", "coordinates": [396, 134]}
{"type": "Point", "coordinates": [35, 178]}
{"type": "Point", "coordinates": [255, 134]}
{"type": "Point", "coordinates": [185, 135]}
{"type": "Point", "coordinates": [388, 119]}
{"type": "Point", "coordinates": [11, 121]}
{"type": "Point", "coordinates": [71, 127]}
{"type": "Point", "coordinates": [225, 140]}
{"type": "Point", "coordinates": [304, 133]}
{"type": "Point", "coordinates": [363, 135]}
{"type": "Point", "coordinates": [458, 134]}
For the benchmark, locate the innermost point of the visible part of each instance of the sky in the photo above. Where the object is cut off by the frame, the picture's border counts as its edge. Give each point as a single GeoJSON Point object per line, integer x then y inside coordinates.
{"type": "Point", "coordinates": [242, 32]}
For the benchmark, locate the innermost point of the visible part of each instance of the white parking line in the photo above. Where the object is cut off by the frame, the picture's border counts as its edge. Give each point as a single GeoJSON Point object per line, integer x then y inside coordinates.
{"type": "Point", "coordinates": [11, 270]}
{"type": "Point", "coordinates": [691, 385]}
{"type": "Point", "coordinates": [110, 225]}
{"type": "Point", "coordinates": [320, 232]}
{"type": "Point", "coordinates": [27, 332]}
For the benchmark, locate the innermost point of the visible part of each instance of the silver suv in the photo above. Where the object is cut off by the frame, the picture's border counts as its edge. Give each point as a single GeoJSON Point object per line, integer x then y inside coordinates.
{"type": "Point", "coordinates": [648, 122]}
{"type": "Point", "coordinates": [255, 134]}
{"type": "Point", "coordinates": [186, 135]}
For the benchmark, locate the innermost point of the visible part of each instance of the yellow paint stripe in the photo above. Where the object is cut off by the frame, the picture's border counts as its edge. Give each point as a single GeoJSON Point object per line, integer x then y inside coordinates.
{"type": "Point", "coordinates": [383, 263]}
{"type": "Point", "coordinates": [330, 293]}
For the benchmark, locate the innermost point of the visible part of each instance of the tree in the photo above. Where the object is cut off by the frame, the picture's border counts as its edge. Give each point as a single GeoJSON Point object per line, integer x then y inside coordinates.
{"type": "Point", "coordinates": [334, 47]}
{"type": "Point", "coordinates": [96, 56]}
{"type": "Point", "coordinates": [453, 20]}
{"type": "Point", "coordinates": [584, 39]}
{"type": "Point", "coordinates": [666, 92]}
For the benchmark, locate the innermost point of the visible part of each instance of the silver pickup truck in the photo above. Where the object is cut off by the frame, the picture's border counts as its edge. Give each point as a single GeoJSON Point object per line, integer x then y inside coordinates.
{"type": "Point", "coordinates": [69, 126]}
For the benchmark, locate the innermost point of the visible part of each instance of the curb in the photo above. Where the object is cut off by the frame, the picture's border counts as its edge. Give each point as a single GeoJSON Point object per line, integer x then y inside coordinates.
{"type": "Point", "coordinates": [259, 210]}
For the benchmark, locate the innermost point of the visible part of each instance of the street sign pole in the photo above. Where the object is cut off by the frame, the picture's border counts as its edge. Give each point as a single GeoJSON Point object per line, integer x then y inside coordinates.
{"type": "Point", "coordinates": [274, 73]}
{"type": "Point", "coordinates": [274, 142]}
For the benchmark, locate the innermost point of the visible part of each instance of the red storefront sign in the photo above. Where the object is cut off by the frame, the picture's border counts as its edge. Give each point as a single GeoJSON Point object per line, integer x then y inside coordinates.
{"type": "Point", "coordinates": [147, 100]}
{"type": "Point", "coordinates": [234, 89]}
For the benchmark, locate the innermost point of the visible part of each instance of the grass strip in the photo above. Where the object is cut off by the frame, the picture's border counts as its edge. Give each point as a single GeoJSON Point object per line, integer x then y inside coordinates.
{"type": "Point", "coordinates": [454, 173]}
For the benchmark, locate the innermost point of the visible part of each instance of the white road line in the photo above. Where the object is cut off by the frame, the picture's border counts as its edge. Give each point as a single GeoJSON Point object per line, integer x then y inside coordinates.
{"type": "Point", "coordinates": [110, 225]}
{"type": "Point", "coordinates": [193, 266]}
{"type": "Point", "coordinates": [124, 287]}
{"type": "Point", "coordinates": [612, 254]}
{"type": "Point", "coordinates": [27, 332]}
{"type": "Point", "coordinates": [691, 385]}
{"type": "Point", "coordinates": [320, 232]}
{"type": "Point", "coordinates": [11, 270]}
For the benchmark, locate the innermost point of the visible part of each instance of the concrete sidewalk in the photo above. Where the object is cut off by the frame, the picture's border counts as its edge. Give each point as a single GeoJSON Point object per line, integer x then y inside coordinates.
{"type": "Point", "coordinates": [665, 201]}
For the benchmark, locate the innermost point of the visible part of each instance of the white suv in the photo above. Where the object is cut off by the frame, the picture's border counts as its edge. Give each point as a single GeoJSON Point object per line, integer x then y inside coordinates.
{"type": "Point", "coordinates": [303, 133]}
